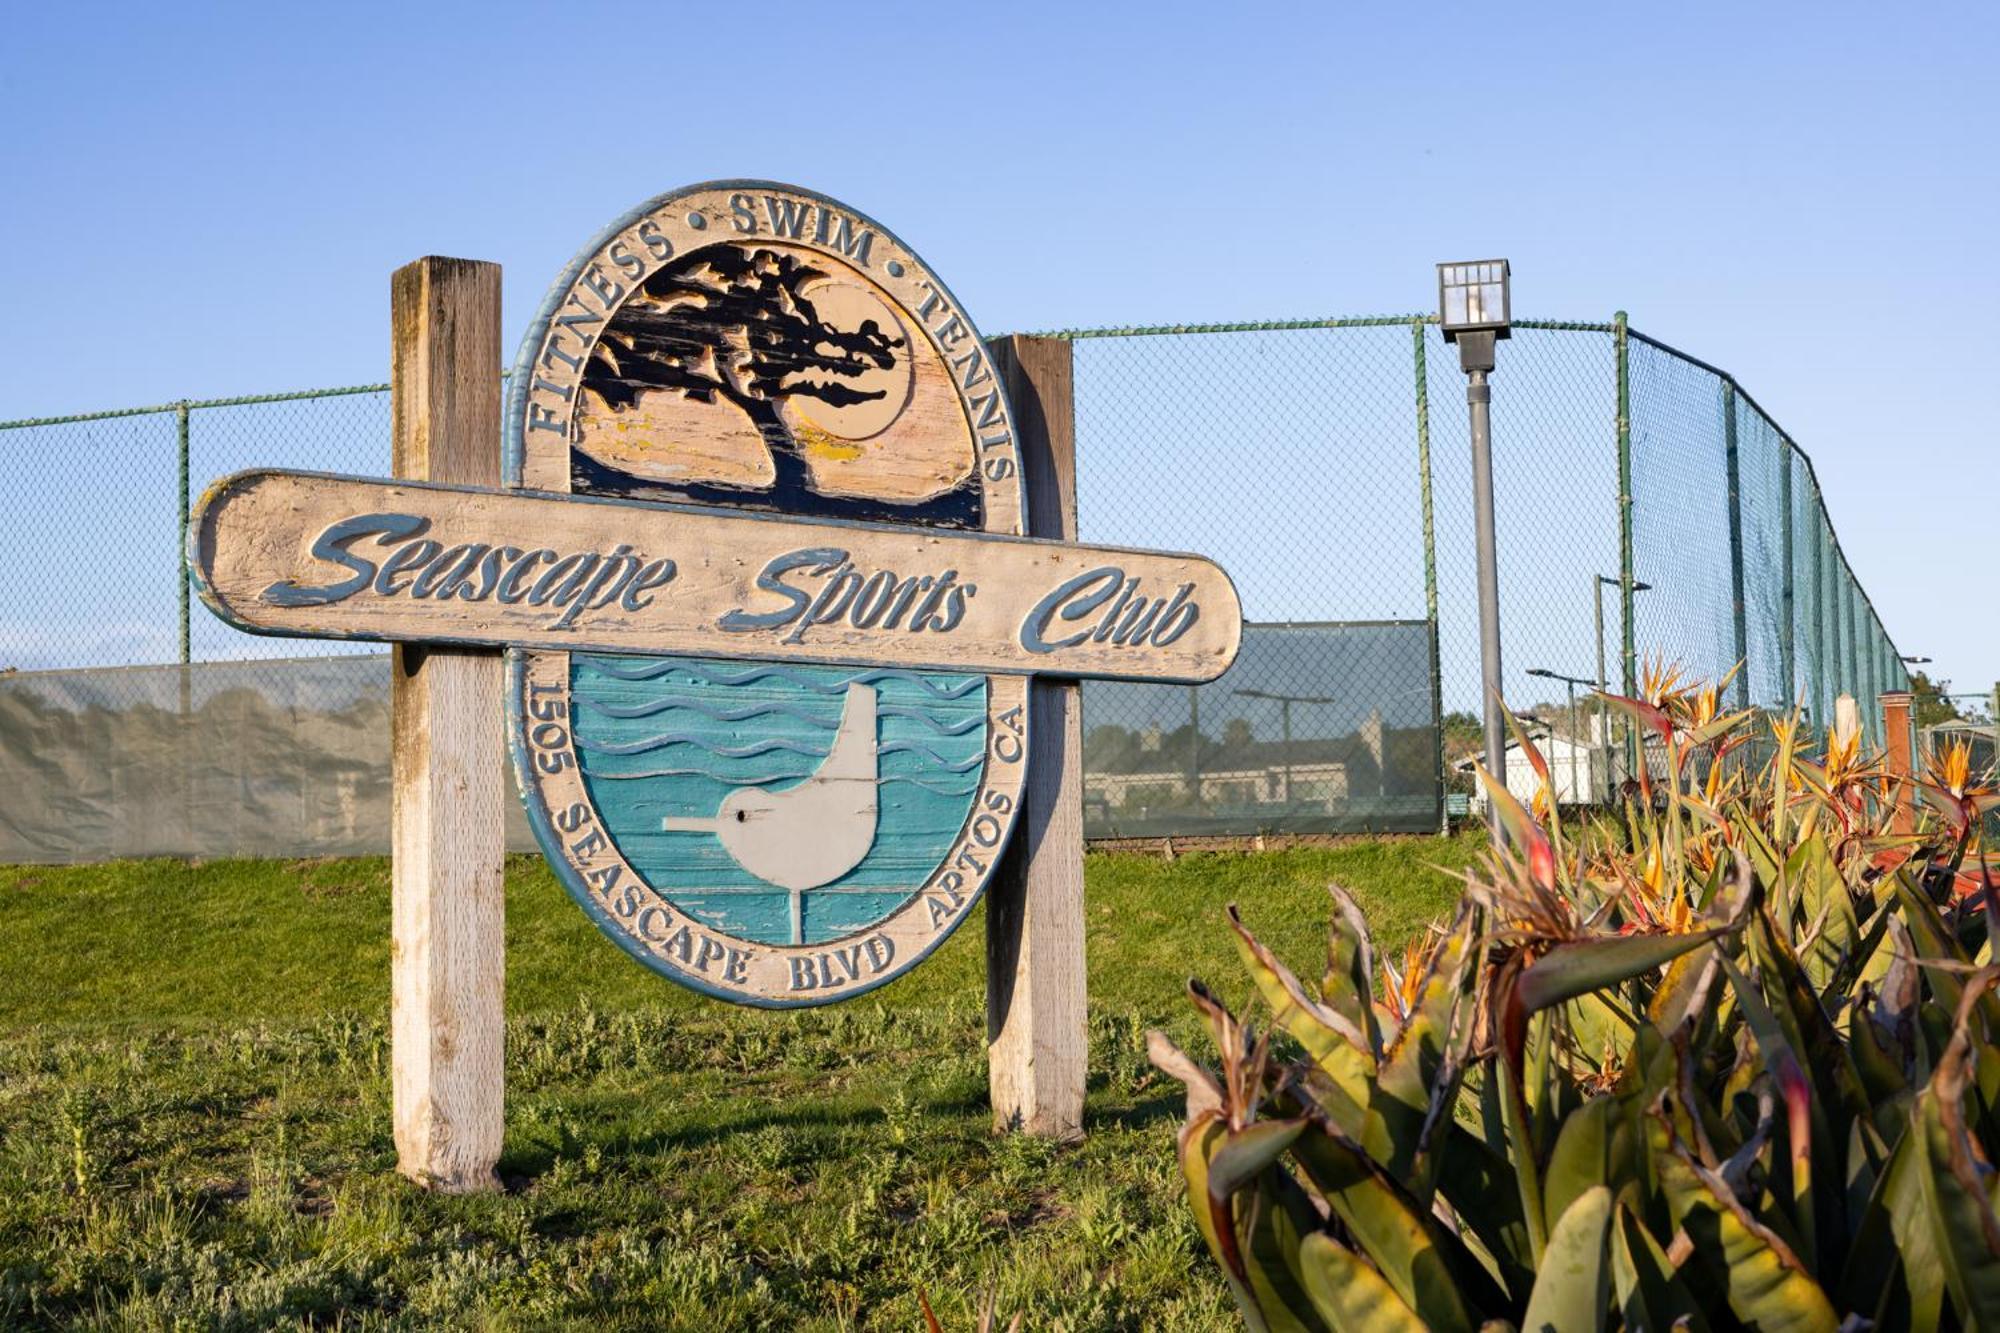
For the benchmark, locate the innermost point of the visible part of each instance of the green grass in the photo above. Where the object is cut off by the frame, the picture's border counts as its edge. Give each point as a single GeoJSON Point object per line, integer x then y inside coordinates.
{"type": "Point", "coordinates": [194, 1115]}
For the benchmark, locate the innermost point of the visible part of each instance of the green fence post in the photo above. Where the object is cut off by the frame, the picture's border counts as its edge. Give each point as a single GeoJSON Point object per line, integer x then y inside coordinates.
{"type": "Point", "coordinates": [1877, 675]}
{"type": "Point", "coordinates": [1864, 649]}
{"type": "Point", "coordinates": [1817, 619]}
{"type": "Point", "coordinates": [1851, 621]}
{"type": "Point", "coordinates": [180, 551]}
{"type": "Point", "coordinates": [1836, 652]}
{"type": "Point", "coordinates": [1628, 639]}
{"type": "Point", "coordinates": [1430, 568]}
{"type": "Point", "coordinates": [1732, 466]}
{"type": "Point", "coordinates": [1788, 698]}
{"type": "Point", "coordinates": [1837, 613]}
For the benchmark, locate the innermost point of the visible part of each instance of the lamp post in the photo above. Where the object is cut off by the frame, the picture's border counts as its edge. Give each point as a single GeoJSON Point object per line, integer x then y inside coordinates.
{"type": "Point", "coordinates": [1598, 583]}
{"type": "Point", "coordinates": [1285, 702]}
{"type": "Point", "coordinates": [1474, 312]}
{"type": "Point", "coordinates": [1572, 682]}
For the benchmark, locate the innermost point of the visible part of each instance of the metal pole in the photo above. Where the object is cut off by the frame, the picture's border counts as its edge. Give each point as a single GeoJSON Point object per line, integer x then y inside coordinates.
{"type": "Point", "coordinates": [1430, 569]}
{"type": "Point", "coordinates": [1739, 623]}
{"type": "Point", "coordinates": [1601, 742]}
{"type": "Point", "coordinates": [1285, 712]}
{"type": "Point", "coordinates": [1194, 745]}
{"type": "Point", "coordinates": [1572, 740]}
{"type": "Point", "coordinates": [180, 553]}
{"type": "Point", "coordinates": [1622, 347]}
{"type": "Point", "coordinates": [1479, 399]}
{"type": "Point", "coordinates": [183, 582]}
{"type": "Point", "coordinates": [1597, 599]}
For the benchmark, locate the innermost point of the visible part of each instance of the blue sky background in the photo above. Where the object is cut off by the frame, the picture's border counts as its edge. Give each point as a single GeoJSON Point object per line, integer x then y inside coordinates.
{"type": "Point", "coordinates": [208, 199]}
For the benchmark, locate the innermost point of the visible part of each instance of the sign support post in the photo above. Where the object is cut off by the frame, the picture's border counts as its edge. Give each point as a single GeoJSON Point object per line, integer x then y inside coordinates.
{"type": "Point", "coordinates": [449, 762]}
{"type": "Point", "coordinates": [1037, 1034]}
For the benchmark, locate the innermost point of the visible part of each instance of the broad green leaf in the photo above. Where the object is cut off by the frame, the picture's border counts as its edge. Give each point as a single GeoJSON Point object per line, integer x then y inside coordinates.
{"type": "Point", "coordinates": [1273, 1219]}
{"type": "Point", "coordinates": [1782, 1061]}
{"type": "Point", "coordinates": [1880, 1067]}
{"type": "Point", "coordinates": [1349, 985]}
{"type": "Point", "coordinates": [1424, 1263]}
{"type": "Point", "coordinates": [1676, 990]}
{"type": "Point", "coordinates": [1199, 1139]}
{"type": "Point", "coordinates": [1932, 939]}
{"type": "Point", "coordinates": [1649, 1290]}
{"type": "Point", "coordinates": [1349, 1295]}
{"type": "Point", "coordinates": [1402, 1098]}
{"type": "Point", "coordinates": [1966, 1228]}
{"type": "Point", "coordinates": [1822, 898]}
{"type": "Point", "coordinates": [1482, 1191]}
{"type": "Point", "coordinates": [1246, 1252]}
{"type": "Point", "coordinates": [1336, 1044]}
{"type": "Point", "coordinates": [1839, 1096]}
{"type": "Point", "coordinates": [1767, 865]}
{"type": "Point", "coordinates": [1597, 1024]}
{"type": "Point", "coordinates": [1594, 1148]}
{"type": "Point", "coordinates": [1245, 1152]}
{"type": "Point", "coordinates": [1573, 969]}
{"type": "Point", "coordinates": [1766, 1284]}
{"type": "Point", "coordinates": [1893, 1272]}
{"type": "Point", "coordinates": [1521, 1150]}
{"type": "Point", "coordinates": [1573, 1291]}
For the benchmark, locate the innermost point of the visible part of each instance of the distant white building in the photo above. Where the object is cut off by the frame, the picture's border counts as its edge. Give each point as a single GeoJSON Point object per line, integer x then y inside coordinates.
{"type": "Point", "coordinates": [1580, 773]}
{"type": "Point", "coordinates": [1304, 786]}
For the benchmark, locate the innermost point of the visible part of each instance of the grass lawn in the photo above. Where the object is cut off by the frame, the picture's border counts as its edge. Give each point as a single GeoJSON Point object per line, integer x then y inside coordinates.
{"type": "Point", "coordinates": [194, 1115]}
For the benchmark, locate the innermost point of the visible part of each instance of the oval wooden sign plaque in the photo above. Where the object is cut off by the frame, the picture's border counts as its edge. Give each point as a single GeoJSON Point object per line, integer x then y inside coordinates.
{"type": "Point", "coordinates": [774, 832]}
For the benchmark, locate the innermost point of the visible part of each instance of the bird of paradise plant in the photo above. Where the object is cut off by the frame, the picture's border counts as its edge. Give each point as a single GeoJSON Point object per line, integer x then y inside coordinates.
{"type": "Point", "coordinates": [1725, 1063]}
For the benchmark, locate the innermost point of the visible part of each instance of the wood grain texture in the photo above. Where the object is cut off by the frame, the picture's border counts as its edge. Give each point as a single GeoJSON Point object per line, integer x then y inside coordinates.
{"type": "Point", "coordinates": [447, 815]}
{"type": "Point", "coordinates": [1901, 762]}
{"type": "Point", "coordinates": [309, 554]}
{"type": "Point", "coordinates": [1036, 1009]}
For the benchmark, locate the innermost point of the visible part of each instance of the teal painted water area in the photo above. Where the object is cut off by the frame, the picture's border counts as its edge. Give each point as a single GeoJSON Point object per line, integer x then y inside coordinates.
{"type": "Point", "coordinates": [672, 737]}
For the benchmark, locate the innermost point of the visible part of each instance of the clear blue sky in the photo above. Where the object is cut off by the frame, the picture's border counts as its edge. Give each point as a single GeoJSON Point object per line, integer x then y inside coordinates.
{"type": "Point", "coordinates": [207, 199]}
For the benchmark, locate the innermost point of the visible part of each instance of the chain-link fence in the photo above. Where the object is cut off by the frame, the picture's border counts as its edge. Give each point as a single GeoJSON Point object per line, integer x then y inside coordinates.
{"type": "Point", "coordinates": [1647, 510]}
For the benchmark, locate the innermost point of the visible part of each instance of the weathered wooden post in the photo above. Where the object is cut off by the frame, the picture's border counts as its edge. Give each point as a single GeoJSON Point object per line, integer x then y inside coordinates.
{"type": "Point", "coordinates": [1037, 1032]}
{"type": "Point", "coordinates": [448, 759]}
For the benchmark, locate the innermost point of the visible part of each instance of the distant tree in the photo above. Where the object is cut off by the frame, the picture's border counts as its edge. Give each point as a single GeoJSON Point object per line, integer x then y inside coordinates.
{"type": "Point", "coordinates": [1111, 749]}
{"type": "Point", "coordinates": [1464, 734]}
{"type": "Point", "coordinates": [1931, 701]}
{"type": "Point", "coordinates": [1237, 734]}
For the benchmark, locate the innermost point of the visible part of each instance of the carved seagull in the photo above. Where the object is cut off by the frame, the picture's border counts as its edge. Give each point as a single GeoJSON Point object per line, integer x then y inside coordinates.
{"type": "Point", "coordinates": [813, 833]}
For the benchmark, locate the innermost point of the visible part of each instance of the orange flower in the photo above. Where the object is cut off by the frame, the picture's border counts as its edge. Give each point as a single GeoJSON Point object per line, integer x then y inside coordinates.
{"type": "Point", "coordinates": [1403, 988]}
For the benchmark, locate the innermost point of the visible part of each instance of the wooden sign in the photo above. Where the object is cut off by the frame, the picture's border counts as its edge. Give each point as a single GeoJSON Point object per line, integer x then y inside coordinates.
{"type": "Point", "coordinates": [305, 554]}
{"type": "Point", "coordinates": [762, 566]}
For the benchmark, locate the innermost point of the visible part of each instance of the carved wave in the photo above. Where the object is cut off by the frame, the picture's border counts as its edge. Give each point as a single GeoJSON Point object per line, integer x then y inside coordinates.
{"type": "Point", "coordinates": [648, 744]}
{"type": "Point", "coordinates": [766, 779]}
{"type": "Point", "coordinates": [773, 708]}
{"type": "Point", "coordinates": [769, 708]}
{"type": "Point", "coordinates": [957, 689]}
